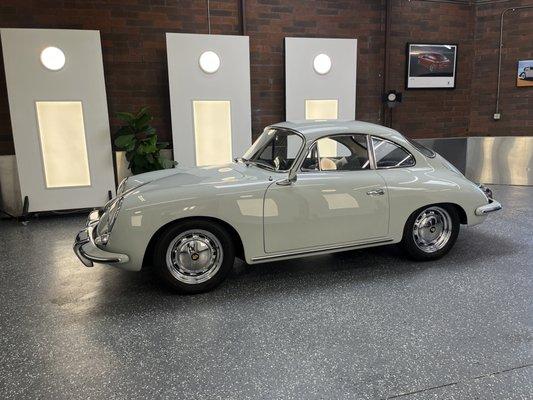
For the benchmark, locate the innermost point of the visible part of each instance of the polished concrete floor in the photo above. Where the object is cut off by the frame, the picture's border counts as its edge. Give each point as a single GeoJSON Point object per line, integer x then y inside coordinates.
{"type": "Point", "coordinates": [361, 325]}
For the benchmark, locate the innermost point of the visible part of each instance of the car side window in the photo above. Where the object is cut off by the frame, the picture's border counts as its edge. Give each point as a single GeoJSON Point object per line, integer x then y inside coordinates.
{"type": "Point", "coordinates": [391, 155]}
{"type": "Point", "coordinates": [338, 153]}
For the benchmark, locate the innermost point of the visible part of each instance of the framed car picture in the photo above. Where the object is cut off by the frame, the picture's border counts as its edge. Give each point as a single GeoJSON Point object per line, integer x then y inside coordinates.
{"type": "Point", "coordinates": [431, 66]}
{"type": "Point", "coordinates": [524, 76]}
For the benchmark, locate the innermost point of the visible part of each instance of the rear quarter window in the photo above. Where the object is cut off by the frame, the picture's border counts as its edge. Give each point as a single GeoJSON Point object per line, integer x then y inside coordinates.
{"type": "Point", "coordinates": [423, 149]}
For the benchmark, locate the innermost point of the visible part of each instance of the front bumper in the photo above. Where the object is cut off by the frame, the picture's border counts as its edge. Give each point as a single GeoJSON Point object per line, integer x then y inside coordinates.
{"type": "Point", "coordinates": [87, 250]}
{"type": "Point", "coordinates": [488, 208]}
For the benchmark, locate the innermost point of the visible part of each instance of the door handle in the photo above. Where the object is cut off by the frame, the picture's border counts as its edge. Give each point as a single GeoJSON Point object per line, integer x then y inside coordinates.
{"type": "Point", "coordinates": [377, 192]}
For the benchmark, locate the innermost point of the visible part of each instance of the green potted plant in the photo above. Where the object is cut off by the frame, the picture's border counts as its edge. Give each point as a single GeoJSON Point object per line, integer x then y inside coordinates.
{"type": "Point", "coordinates": [139, 140]}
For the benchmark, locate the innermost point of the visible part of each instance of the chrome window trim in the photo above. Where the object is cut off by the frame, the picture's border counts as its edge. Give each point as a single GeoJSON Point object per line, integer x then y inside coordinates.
{"type": "Point", "coordinates": [370, 147]}
{"type": "Point", "coordinates": [396, 144]}
{"type": "Point", "coordinates": [302, 169]}
{"type": "Point", "coordinates": [300, 150]}
{"type": "Point", "coordinates": [415, 145]}
{"type": "Point", "coordinates": [314, 142]}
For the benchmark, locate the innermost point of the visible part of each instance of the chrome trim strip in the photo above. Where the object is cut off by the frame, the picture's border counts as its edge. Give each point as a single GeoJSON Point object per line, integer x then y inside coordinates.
{"type": "Point", "coordinates": [488, 208]}
{"type": "Point", "coordinates": [318, 250]}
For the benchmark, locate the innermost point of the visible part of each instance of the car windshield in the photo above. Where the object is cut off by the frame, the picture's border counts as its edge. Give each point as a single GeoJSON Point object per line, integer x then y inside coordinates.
{"type": "Point", "coordinates": [275, 149]}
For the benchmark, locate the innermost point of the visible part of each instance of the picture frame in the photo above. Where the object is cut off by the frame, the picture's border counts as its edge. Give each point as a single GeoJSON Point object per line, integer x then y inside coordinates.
{"type": "Point", "coordinates": [524, 74]}
{"type": "Point", "coordinates": [431, 65]}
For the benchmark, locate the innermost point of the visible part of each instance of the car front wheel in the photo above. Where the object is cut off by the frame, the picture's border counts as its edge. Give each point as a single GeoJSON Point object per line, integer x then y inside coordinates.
{"type": "Point", "coordinates": [430, 232]}
{"type": "Point", "coordinates": [194, 256]}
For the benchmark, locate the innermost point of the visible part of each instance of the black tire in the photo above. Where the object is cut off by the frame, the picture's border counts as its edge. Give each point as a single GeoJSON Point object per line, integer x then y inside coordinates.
{"type": "Point", "coordinates": [409, 244]}
{"type": "Point", "coordinates": [170, 274]}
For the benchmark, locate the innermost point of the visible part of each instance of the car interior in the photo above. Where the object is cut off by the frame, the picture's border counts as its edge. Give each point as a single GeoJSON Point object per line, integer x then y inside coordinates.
{"type": "Point", "coordinates": [338, 153]}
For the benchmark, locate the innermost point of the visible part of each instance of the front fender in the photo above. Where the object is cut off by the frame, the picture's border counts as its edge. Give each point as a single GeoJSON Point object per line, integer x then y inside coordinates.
{"type": "Point", "coordinates": [144, 212]}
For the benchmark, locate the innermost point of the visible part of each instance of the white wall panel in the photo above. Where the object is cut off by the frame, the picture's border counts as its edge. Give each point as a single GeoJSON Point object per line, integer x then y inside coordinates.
{"type": "Point", "coordinates": [304, 84]}
{"type": "Point", "coordinates": [196, 133]}
{"type": "Point", "coordinates": [59, 118]}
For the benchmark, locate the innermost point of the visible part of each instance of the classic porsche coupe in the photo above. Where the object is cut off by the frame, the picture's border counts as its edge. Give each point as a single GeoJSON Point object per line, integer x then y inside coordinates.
{"type": "Point", "coordinates": [434, 62]}
{"type": "Point", "coordinates": [301, 189]}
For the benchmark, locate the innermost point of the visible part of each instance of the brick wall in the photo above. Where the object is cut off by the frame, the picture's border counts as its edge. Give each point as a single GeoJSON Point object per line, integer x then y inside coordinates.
{"type": "Point", "coordinates": [133, 45]}
{"type": "Point", "coordinates": [516, 103]}
{"type": "Point", "coordinates": [432, 113]}
{"type": "Point", "coordinates": [134, 54]}
{"type": "Point", "coordinates": [268, 22]}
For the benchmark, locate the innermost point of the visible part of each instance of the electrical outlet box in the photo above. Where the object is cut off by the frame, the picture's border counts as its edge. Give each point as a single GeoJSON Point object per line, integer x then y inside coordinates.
{"type": "Point", "coordinates": [497, 116]}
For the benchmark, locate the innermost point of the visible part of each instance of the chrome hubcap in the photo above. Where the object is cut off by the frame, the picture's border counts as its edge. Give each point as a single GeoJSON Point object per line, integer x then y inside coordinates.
{"type": "Point", "coordinates": [194, 256]}
{"type": "Point", "coordinates": [432, 229]}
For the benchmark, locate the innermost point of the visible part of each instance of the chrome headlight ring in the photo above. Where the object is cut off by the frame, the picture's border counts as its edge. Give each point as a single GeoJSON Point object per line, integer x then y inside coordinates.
{"type": "Point", "coordinates": [110, 213]}
{"type": "Point", "coordinates": [121, 186]}
{"type": "Point", "coordinates": [486, 191]}
{"type": "Point", "coordinates": [113, 213]}
{"type": "Point", "coordinates": [108, 219]}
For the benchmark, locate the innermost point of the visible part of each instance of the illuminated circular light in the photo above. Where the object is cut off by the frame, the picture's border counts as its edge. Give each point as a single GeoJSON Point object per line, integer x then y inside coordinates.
{"type": "Point", "coordinates": [391, 97]}
{"type": "Point", "coordinates": [209, 62]}
{"type": "Point", "coordinates": [322, 64]}
{"type": "Point", "coordinates": [53, 58]}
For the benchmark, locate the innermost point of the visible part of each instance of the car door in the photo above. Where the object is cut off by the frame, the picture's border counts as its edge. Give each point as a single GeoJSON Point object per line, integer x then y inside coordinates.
{"type": "Point", "coordinates": [336, 200]}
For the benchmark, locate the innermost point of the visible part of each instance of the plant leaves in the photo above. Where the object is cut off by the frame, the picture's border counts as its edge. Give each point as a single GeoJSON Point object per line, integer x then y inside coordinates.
{"type": "Point", "coordinates": [129, 155]}
{"type": "Point", "coordinates": [139, 140]}
{"type": "Point", "coordinates": [150, 130]}
{"type": "Point", "coordinates": [125, 130]}
{"type": "Point", "coordinates": [125, 142]}
{"type": "Point", "coordinates": [166, 163]}
{"type": "Point", "coordinates": [141, 122]}
{"type": "Point", "coordinates": [142, 111]}
{"type": "Point", "coordinates": [126, 116]}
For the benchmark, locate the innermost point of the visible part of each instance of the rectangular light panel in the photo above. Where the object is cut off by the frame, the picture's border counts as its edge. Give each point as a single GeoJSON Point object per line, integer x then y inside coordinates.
{"type": "Point", "coordinates": [63, 145]}
{"type": "Point", "coordinates": [323, 109]}
{"type": "Point", "coordinates": [212, 132]}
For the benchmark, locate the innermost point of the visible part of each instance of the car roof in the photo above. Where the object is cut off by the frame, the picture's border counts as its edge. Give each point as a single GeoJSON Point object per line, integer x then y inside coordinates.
{"type": "Point", "coordinates": [313, 129]}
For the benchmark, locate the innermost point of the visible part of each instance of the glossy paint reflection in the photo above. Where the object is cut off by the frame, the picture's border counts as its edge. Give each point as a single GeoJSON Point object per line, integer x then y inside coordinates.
{"type": "Point", "coordinates": [315, 211]}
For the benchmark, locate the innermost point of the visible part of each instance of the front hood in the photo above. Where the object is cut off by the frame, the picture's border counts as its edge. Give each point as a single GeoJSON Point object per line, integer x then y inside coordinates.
{"type": "Point", "coordinates": [137, 180]}
{"type": "Point", "coordinates": [220, 175]}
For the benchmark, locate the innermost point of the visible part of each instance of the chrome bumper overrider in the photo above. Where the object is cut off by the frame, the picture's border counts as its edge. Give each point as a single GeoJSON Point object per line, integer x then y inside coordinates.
{"type": "Point", "coordinates": [488, 208]}
{"type": "Point", "coordinates": [86, 249]}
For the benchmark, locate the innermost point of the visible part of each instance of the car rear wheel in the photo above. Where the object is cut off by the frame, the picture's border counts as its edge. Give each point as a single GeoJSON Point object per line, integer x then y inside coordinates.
{"type": "Point", "coordinates": [430, 232]}
{"type": "Point", "coordinates": [194, 256]}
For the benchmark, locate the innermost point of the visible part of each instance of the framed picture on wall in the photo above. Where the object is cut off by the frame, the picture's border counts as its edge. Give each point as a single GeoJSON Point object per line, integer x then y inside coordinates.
{"type": "Point", "coordinates": [524, 76]}
{"type": "Point", "coordinates": [431, 66]}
